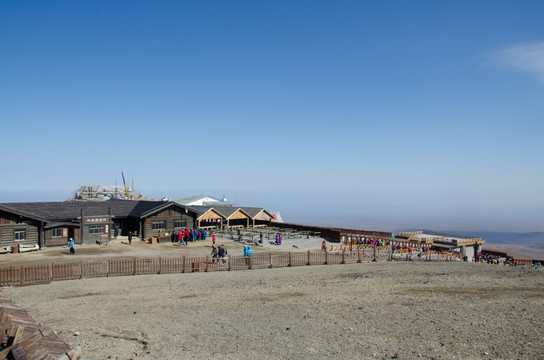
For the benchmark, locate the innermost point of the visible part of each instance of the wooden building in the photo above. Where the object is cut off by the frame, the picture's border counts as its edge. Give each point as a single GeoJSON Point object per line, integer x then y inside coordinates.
{"type": "Point", "coordinates": [230, 216]}
{"type": "Point", "coordinates": [208, 217]}
{"type": "Point", "coordinates": [18, 227]}
{"type": "Point", "coordinates": [467, 246]}
{"type": "Point", "coordinates": [166, 218]}
{"type": "Point", "coordinates": [258, 216]}
{"type": "Point", "coordinates": [88, 222]}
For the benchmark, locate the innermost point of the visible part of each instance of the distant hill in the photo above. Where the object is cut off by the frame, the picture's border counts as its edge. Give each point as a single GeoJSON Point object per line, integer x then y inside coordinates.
{"type": "Point", "coordinates": [531, 244]}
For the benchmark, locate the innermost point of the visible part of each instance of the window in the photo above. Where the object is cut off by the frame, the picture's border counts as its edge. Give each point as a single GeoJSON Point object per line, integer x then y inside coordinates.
{"type": "Point", "coordinates": [19, 235]}
{"type": "Point", "coordinates": [180, 223]}
{"type": "Point", "coordinates": [96, 229]}
{"type": "Point", "coordinates": [56, 233]}
{"type": "Point", "coordinates": [159, 225]}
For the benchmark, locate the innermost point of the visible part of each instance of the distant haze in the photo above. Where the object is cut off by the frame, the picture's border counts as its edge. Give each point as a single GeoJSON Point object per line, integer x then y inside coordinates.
{"type": "Point", "coordinates": [362, 114]}
{"type": "Point", "coordinates": [351, 210]}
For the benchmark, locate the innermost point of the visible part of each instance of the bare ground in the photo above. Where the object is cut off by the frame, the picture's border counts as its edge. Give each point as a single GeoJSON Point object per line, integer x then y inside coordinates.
{"type": "Point", "coordinates": [371, 310]}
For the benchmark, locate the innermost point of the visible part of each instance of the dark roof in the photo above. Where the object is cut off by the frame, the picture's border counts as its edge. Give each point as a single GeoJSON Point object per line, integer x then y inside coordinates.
{"type": "Point", "coordinates": [254, 211]}
{"type": "Point", "coordinates": [22, 213]}
{"type": "Point", "coordinates": [53, 225]}
{"type": "Point", "coordinates": [199, 209]}
{"type": "Point", "coordinates": [227, 211]}
{"type": "Point", "coordinates": [165, 205]}
{"type": "Point", "coordinates": [67, 210]}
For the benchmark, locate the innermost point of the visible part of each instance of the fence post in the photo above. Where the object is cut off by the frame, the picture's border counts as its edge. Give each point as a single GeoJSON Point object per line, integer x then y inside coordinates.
{"type": "Point", "coordinates": [250, 265]}
{"type": "Point", "coordinates": [326, 257]}
{"type": "Point", "coordinates": [160, 265]}
{"type": "Point", "coordinates": [270, 260]}
{"type": "Point", "coordinates": [183, 271]}
{"type": "Point", "coordinates": [134, 266]}
{"type": "Point", "coordinates": [290, 263]}
{"type": "Point", "coordinates": [51, 271]}
{"type": "Point", "coordinates": [229, 267]}
{"type": "Point", "coordinates": [80, 269]}
{"type": "Point", "coordinates": [109, 266]}
{"type": "Point", "coordinates": [343, 256]}
{"type": "Point", "coordinates": [358, 255]}
{"type": "Point", "coordinates": [22, 275]}
{"type": "Point", "coordinates": [308, 263]}
{"type": "Point", "coordinates": [207, 261]}
{"type": "Point", "coordinates": [375, 254]}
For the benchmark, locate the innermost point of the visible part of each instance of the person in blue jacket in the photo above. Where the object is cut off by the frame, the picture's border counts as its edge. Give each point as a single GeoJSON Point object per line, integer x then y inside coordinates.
{"type": "Point", "coordinates": [71, 246]}
{"type": "Point", "coordinates": [247, 251]}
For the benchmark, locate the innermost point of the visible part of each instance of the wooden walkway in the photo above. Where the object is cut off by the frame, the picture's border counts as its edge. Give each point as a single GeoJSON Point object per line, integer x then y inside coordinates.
{"type": "Point", "coordinates": [21, 337]}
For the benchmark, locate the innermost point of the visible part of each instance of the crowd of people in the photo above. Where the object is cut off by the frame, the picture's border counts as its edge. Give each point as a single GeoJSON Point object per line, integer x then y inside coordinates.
{"type": "Point", "coordinates": [490, 259]}
{"type": "Point", "coordinates": [185, 235]}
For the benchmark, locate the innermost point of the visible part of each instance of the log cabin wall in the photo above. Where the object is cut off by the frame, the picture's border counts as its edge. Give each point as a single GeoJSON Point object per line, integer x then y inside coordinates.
{"type": "Point", "coordinates": [59, 236]}
{"type": "Point", "coordinates": [56, 237]}
{"type": "Point", "coordinates": [95, 229]}
{"type": "Point", "coordinates": [167, 221]}
{"type": "Point", "coordinates": [18, 230]}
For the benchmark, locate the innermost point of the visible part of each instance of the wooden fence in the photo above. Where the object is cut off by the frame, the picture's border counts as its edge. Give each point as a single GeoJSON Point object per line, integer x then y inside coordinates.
{"type": "Point", "coordinates": [39, 274]}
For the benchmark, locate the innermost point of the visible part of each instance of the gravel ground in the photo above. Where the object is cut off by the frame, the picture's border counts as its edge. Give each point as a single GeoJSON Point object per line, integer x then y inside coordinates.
{"type": "Point", "coordinates": [371, 310]}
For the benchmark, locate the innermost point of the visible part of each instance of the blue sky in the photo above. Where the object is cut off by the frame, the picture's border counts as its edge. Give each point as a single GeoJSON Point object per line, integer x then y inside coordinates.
{"type": "Point", "coordinates": [377, 115]}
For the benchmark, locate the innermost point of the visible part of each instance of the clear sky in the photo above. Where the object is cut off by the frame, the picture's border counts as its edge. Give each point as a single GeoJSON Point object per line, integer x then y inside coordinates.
{"type": "Point", "coordinates": [370, 114]}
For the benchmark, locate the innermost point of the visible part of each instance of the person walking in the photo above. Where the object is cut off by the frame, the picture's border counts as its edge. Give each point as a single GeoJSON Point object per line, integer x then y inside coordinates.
{"type": "Point", "coordinates": [180, 237]}
{"type": "Point", "coordinates": [223, 254]}
{"type": "Point", "coordinates": [213, 239]}
{"type": "Point", "coordinates": [247, 253]}
{"type": "Point", "coordinates": [215, 256]}
{"type": "Point", "coordinates": [71, 246]}
{"type": "Point", "coordinates": [130, 237]}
